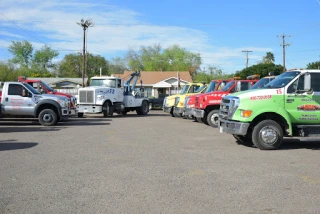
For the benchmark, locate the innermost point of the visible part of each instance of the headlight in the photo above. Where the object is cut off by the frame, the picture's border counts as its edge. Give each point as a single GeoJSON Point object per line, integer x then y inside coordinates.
{"type": "Point", "coordinates": [100, 97]}
{"type": "Point", "coordinates": [64, 103]}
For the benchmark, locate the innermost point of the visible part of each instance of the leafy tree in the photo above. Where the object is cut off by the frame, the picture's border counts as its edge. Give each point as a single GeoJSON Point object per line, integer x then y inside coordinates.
{"type": "Point", "coordinates": [153, 58]}
{"type": "Point", "coordinates": [313, 65]}
{"type": "Point", "coordinates": [268, 58]}
{"type": "Point", "coordinates": [262, 69]}
{"type": "Point", "coordinates": [117, 65]}
{"type": "Point", "coordinates": [42, 59]}
{"type": "Point", "coordinates": [7, 72]}
{"type": "Point", "coordinates": [71, 65]}
{"type": "Point", "coordinates": [213, 73]}
{"type": "Point", "coordinates": [22, 52]}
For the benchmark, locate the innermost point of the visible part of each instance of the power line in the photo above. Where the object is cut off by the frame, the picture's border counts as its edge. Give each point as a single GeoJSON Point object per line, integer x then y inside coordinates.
{"type": "Point", "coordinates": [284, 44]}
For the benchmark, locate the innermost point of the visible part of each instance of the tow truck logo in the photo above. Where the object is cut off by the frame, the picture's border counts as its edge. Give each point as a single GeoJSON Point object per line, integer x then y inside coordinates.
{"type": "Point", "coordinates": [308, 107]}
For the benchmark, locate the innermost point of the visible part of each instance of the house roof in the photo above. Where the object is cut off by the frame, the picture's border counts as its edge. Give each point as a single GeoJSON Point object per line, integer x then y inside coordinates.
{"type": "Point", "coordinates": [153, 77]}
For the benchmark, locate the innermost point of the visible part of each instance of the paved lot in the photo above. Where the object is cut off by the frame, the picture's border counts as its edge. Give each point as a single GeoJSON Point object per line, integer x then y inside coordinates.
{"type": "Point", "coordinates": [150, 164]}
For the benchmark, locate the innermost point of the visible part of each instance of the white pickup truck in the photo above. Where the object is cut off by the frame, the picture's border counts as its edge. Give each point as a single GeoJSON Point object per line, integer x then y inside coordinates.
{"type": "Point", "coordinates": [19, 99]}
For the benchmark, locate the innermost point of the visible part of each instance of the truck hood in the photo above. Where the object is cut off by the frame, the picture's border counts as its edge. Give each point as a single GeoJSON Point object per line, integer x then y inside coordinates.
{"type": "Point", "coordinates": [252, 92]}
{"type": "Point", "coordinates": [213, 95]}
{"type": "Point", "coordinates": [49, 96]}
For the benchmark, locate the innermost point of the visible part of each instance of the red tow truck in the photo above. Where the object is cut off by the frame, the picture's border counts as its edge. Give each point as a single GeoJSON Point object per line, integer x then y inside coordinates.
{"type": "Point", "coordinates": [189, 105]}
{"type": "Point", "coordinates": [44, 88]}
{"type": "Point", "coordinates": [207, 105]}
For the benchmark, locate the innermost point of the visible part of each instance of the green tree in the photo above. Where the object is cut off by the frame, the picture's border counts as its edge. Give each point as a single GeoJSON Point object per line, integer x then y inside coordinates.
{"type": "Point", "coordinates": [262, 69]}
{"type": "Point", "coordinates": [94, 63]}
{"type": "Point", "coordinates": [42, 59]}
{"type": "Point", "coordinates": [22, 53]}
{"type": "Point", "coordinates": [154, 58]}
{"type": "Point", "coordinates": [213, 73]}
{"type": "Point", "coordinates": [313, 65]}
{"type": "Point", "coordinates": [7, 72]}
{"type": "Point", "coordinates": [268, 58]}
{"type": "Point", "coordinates": [117, 65]}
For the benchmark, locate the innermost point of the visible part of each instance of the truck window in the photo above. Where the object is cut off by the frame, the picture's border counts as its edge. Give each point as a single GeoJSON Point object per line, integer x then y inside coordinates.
{"type": "Point", "coordinates": [245, 86]}
{"type": "Point", "coordinates": [15, 89]}
{"type": "Point", "coordinates": [315, 79]}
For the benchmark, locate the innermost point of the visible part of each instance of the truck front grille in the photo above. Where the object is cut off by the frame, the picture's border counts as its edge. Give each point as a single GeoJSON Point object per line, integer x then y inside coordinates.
{"type": "Point", "coordinates": [228, 107]}
{"type": "Point", "coordinates": [86, 97]}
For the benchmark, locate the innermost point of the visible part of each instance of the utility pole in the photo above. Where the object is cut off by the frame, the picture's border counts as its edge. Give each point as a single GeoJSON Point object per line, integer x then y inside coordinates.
{"type": "Point", "coordinates": [247, 58]}
{"type": "Point", "coordinates": [84, 24]}
{"type": "Point", "coordinates": [284, 44]}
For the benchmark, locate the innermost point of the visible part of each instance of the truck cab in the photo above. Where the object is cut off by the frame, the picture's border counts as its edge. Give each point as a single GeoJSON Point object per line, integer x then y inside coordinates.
{"type": "Point", "coordinates": [44, 88]}
{"type": "Point", "coordinates": [189, 104]}
{"type": "Point", "coordinates": [288, 106]}
{"type": "Point", "coordinates": [169, 102]}
{"type": "Point", "coordinates": [207, 105]}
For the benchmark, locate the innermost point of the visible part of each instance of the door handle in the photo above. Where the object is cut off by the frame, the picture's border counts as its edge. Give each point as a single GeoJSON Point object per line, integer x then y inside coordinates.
{"type": "Point", "coordinates": [6, 99]}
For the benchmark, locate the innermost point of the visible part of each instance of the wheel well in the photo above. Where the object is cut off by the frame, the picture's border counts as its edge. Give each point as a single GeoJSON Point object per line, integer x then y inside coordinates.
{"type": "Point", "coordinates": [271, 116]}
{"type": "Point", "coordinates": [212, 107]}
{"type": "Point", "coordinates": [107, 101]}
{"type": "Point", "coordinates": [47, 106]}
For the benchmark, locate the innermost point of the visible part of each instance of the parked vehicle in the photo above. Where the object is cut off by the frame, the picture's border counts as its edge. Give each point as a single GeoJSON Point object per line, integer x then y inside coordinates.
{"type": "Point", "coordinates": [157, 103]}
{"type": "Point", "coordinates": [18, 99]}
{"type": "Point", "coordinates": [192, 88]}
{"type": "Point", "coordinates": [111, 94]}
{"type": "Point", "coordinates": [44, 88]}
{"type": "Point", "coordinates": [207, 105]}
{"type": "Point", "coordinates": [190, 101]}
{"type": "Point", "coordinates": [286, 107]}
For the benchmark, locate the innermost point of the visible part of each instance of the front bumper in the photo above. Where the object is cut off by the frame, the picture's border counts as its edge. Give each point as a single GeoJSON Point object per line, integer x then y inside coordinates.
{"type": "Point", "coordinates": [231, 127]}
{"type": "Point", "coordinates": [189, 111]}
{"type": "Point", "coordinates": [73, 112]}
{"type": "Point", "coordinates": [178, 110]}
{"type": "Point", "coordinates": [198, 113]}
{"type": "Point", "coordinates": [167, 109]}
{"type": "Point", "coordinates": [65, 112]}
{"type": "Point", "coordinates": [89, 109]}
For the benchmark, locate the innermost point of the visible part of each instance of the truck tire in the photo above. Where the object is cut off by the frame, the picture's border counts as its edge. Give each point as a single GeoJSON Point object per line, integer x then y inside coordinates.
{"type": "Point", "coordinates": [267, 135]}
{"type": "Point", "coordinates": [48, 117]}
{"type": "Point", "coordinates": [80, 114]}
{"type": "Point", "coordinates": [244, 140]}
{"type": "Point", "coordinates": [213, 118]}
{"type": "Point", "coordinates": [143, 109]}
{"type": "Point", "coordinates": [107, 109]}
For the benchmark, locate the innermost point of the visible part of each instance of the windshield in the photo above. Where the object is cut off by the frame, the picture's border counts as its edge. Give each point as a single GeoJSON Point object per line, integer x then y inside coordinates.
{"type": "Point", "coordinates": [211, 87]}
{"type": "Point", "coordinates": [200, 89]}
{"type": "Point", "coordinates": [184, 89]}
{"type": "Point", "coordinates": [228, 86]}
{"type": "Point", "coordinates": [261, 83]}
{"type": "Point", "coordinates": [103, 82]}
{"type": "Point", "coordinates": [282, 80]}
{"type": "Point", "coordinates": [47, 86]}
{"type": "Point", "coordinates": [34, 91]}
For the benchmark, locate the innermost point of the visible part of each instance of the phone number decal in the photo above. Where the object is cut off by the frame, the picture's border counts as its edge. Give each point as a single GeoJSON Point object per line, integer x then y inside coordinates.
{"type": "Point", "coordinates": [264, 97]}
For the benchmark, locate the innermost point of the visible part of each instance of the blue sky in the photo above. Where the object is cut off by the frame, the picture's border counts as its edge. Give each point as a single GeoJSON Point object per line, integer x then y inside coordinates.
{"type": "Point", "coordinates": [218, 30]}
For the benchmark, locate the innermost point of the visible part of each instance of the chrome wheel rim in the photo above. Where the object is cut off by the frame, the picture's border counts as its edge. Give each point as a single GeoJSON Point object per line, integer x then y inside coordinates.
{"type": "Point", "coordinates": [268, 135]}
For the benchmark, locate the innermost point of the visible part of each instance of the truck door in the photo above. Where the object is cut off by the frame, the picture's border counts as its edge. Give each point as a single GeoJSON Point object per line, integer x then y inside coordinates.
{"type": "Point", "coordinates": [119, 91]}
{"type": "Point", "coordinates": [303, 107]}
{"type": "Point", "coordinates": [17, 102]}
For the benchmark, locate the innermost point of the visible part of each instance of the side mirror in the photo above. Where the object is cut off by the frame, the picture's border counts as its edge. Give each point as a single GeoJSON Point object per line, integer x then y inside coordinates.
{"type": "Point", "coordinates": [222, 85]}
{"type": "Point", "coordinates": [238, 86]}
{"type": "Point", "coordinates": [307, 82]}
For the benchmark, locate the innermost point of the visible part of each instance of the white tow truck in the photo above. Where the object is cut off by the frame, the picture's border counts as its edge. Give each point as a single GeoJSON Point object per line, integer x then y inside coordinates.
{"type": "Point", "coordinates": [111, 94]}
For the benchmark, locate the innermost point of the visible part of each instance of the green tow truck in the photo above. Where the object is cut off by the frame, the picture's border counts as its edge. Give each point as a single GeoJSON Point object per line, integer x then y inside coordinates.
{"type": "Point", "coordinates": [288, 106]}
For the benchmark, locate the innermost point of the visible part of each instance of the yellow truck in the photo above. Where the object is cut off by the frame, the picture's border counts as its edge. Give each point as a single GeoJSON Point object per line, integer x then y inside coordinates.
{"type": "Point", "coordinates": [171, 101]}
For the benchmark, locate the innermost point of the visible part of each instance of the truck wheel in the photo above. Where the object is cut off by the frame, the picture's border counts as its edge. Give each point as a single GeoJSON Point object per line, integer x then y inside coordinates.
{"type": "Point", "coordinates": [213, 118]}
{"type": "Point", "coordinates": [48, 117]}
{"type": "Point", "coordinates": [80, 114]}
{"type": "Point", "coordinates": [244, 140]}
{"type": "Point", "coordinates": [143, 109]}
{"type": "Point", "coordinates": [267, 135]}
{"type": "Point", "coordinates": [107, 109]}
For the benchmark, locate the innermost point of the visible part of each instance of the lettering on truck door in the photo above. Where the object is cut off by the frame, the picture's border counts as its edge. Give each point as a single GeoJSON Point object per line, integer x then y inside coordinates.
{"type": "Point", "coordinates": [17, 102]}
{"type": "Point", "coordinates": [303, 107]}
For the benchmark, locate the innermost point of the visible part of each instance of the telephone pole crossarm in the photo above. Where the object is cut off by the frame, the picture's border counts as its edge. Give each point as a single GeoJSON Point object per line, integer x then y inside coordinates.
{"type": "Point", "coordinates": [284, 45]}
{"type": "Point", "coordinates": [247, 57]}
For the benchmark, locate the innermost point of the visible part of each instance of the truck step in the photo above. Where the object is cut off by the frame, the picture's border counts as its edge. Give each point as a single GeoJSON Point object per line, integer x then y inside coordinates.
{"type": "Point", "coordinates": [309, 130]}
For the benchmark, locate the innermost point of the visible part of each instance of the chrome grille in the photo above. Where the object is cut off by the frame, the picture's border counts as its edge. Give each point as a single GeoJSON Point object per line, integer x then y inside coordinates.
{"type": "Point", "coordinates": [228, 106]}
{"type": "Point", "coordinates": [86, 96]}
